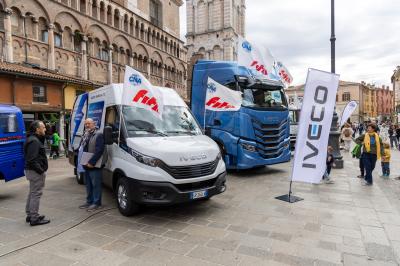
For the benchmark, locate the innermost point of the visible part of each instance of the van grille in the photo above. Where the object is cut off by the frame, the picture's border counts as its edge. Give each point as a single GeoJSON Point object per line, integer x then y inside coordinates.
{"type": "Point", "coordinates": [196, 185]}
{"type": "Point", "coordinates": [190, 171]}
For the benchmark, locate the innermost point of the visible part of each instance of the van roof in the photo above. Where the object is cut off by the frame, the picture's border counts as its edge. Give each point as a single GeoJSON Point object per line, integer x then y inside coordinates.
{"type": "Point", "coordinates": [9, 108]}
{"type": "Point", "coordinates": [170, 96]}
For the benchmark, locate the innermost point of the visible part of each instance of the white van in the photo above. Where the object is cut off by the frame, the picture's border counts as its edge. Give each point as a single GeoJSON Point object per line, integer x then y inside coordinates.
{"type": "Point", "coordinates": [156, 162]}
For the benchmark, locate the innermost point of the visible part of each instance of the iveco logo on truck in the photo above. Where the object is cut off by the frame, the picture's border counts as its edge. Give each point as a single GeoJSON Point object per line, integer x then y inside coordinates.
{"type": "Point", "coordinates": [193, 158]}
{"type": "Point", "coordinates": [150, 101]}
{"type": "Point", "coordinates": [315, 127]}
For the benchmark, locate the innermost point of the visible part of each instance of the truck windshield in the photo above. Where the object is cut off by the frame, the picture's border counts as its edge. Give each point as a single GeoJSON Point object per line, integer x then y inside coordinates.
{"type": "Point", "coordinates": [176, 120]}
{"type": "Point", "coordinates": [262, 96]}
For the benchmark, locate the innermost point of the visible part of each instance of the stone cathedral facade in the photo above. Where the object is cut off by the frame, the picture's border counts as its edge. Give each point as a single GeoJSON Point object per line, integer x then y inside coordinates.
{"type": "Point", "coordinates": [213, 27]}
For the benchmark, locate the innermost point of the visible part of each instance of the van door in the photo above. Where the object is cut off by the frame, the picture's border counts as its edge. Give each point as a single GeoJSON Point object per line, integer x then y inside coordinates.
{"type": "Point", "coordinates": [77, 125]}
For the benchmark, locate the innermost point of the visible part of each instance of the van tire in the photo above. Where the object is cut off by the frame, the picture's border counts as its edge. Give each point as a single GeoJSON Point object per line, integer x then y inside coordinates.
{"type": "Point", "coordinates": [80, 178]}
{"type": "Point", "coordinates": [124, 198]}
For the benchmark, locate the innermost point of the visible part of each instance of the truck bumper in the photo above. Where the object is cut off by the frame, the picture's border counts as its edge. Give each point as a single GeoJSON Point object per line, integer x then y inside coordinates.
{"type": "Point", "coordinates": [164, 193]}
{"type": "Point", "coordinates": [247, 159]}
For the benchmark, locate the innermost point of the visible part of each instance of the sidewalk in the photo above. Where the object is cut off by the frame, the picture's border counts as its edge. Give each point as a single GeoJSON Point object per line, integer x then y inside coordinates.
{"type": "Point", "coordinates": [340, 224]}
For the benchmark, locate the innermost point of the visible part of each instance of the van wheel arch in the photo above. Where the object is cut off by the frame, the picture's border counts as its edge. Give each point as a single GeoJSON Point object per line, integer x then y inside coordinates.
{"type": "Point", "coordinates": [118, 173]}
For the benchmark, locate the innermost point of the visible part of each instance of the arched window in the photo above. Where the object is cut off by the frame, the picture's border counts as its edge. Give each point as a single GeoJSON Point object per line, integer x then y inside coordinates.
{"type": "Point", "coordinates": [44, 37]}
{"type": "Point", "coordinates": [156, 13]}
{"type": "Point", "coordinates": [77, 41]}
{"type": "Point", "coordinates": [65, 2]}
{"type": "Point", "coordinates": [115, 54]}
{"type": "Point", "coordinates": [57, 35]}
{"type": "Point", "coordinates": [104, 51]}
{"type": "Point", "coordinates": [116, 19]}
{"type": "Point", "coordinates": [102, 12]}
{"type": "Point", "coordinates": [94, 9]}
{"type": "Point", "coordinates": [96, 48]}
{"type": "Point", "coordinates": [16, 22]}
{"type": "Point", "coordinates": [73, 4]}
{"type": "Point", "coordinates": [1, 18]}
{"type": "Point", "coordinates": [83, 6]}
{"type": "Point", "coordinates": [126, 23]}
{"type": "Point", "coordinates": [68, 38]}
{"type": "Point", "coordinates": [131, 27]}
{"type": "Point", "coordinates": [109, 15]}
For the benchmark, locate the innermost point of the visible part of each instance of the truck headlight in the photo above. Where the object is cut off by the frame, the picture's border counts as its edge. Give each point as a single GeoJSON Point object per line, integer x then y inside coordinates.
{"type": "Point", "coordinates": [249, 147]}
{"type": "Point", "coordinates": [144, 159]}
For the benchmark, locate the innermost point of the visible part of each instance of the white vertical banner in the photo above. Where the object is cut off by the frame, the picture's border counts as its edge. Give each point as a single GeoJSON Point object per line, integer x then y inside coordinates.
{"type": "Point", "coordinates": [314, 126]}
{"type": "Point", "coordinates": [140, 93]}
{"type": "Point", "coordinates": [221, 98]}
{"type": "Point", "coordinates": [347, 111]}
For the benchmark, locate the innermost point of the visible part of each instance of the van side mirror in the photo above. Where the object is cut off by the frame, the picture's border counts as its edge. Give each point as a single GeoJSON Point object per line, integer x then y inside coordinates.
{"type": "Point", "coordinates": [108, 135]}
{"type": "Point", "coordinates": [207, 131]}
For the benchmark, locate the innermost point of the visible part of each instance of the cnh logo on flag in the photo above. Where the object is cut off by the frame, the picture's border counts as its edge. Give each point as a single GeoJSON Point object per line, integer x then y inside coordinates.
{"type": "Point", "coordinates": [135, 80]}
{"type": "Point", "coordinates": [247, 46]}
{"type": "Point", "coordinates": [142, 97]}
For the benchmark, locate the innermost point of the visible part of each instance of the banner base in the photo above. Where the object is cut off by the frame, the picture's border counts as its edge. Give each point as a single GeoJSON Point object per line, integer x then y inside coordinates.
{"type": "Point", "coordinates": [289, 198]}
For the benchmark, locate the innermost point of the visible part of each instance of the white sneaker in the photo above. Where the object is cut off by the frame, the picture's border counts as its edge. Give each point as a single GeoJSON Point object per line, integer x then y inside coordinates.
{"type": "Point", "coordinates": [329, 181]}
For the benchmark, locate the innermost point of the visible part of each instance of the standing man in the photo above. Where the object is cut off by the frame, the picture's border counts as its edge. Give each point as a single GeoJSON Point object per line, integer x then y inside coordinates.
{"type": "Point", "coordinates": [372, 150]}
{"type": "Point", "coordinates": [35, 171]}
{"type": "Point", "coordinates": [92, 146]}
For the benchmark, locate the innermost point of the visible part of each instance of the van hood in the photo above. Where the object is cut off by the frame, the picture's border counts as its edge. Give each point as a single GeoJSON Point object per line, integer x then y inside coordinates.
{"type": "Point", "coordinates": [177, 150]}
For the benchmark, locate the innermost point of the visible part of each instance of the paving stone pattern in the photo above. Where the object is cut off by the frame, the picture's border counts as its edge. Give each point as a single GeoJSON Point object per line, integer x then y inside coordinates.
{"type": "Point", "coordinates": [340, 224]}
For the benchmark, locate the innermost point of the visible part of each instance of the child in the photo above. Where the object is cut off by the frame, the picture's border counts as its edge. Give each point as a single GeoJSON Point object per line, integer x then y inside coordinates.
{"type": "Point", "coordinates": [385, 161]}
{"type": "Point", "coordinates": [330, 161]}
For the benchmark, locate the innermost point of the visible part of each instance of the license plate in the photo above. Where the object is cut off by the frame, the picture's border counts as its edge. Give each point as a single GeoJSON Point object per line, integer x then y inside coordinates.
{"type": "Point", "coordinates": [198, 194]}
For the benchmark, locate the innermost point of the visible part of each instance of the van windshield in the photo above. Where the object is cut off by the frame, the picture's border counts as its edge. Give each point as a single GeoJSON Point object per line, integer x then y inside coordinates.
{"type": "Point", "coordinates": [8, 123]}
{"type": "Point", "coordinates": [176, 120]}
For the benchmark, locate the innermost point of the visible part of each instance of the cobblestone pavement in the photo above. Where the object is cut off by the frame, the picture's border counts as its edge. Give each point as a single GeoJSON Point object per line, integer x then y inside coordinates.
{"type": "Point", "coordinates": [340, 224]}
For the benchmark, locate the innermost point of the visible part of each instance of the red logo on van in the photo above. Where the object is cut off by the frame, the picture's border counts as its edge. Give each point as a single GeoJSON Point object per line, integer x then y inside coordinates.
{"type": "Point", "coordinates": [259, 67]}
{"type": "Point", "coordinates": [215, 103]}
{"type": "Point", "coordinates": [142, 98]}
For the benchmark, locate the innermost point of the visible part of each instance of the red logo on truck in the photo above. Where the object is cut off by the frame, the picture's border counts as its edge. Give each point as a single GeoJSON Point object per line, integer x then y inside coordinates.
{"type": "Point", "coordinates": [142, 98]}
{"type": "Point", "coordinates": [215, 103]}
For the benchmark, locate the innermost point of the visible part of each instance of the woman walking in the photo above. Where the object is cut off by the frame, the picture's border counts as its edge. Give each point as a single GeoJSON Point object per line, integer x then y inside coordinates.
{"type": "Point", "coordinates": [347, 133]}
{"type": "Point", "coordinates": [372, 150]}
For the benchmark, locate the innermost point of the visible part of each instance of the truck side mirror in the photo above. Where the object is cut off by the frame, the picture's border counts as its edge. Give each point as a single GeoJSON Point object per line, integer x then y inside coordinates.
{"type": "Point", "coordinates": [108, 135]}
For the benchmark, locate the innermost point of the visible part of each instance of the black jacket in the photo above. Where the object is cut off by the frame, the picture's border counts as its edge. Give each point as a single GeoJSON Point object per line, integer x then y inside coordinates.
{"type": "Point", "coordinates": [35, 154]}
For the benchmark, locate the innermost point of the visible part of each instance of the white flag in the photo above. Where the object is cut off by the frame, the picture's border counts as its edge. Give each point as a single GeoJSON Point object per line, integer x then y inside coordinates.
{"type": "Point", "coordinates": [140, 93]}
{"type": "Point", "coordinates": [221, 98]}
{"type": "Point", "coordinates": [283, 72]}
{"type": "Point", "coordinates": [314, 126]}
{"type": "Point", "coordinates": [348, 110]}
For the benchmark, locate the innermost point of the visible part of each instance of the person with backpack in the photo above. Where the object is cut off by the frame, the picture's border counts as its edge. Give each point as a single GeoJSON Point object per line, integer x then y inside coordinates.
{"type": "Point", "coordinates": [54, 146]}
{"type": "Point", "coordinates": [346, 136]}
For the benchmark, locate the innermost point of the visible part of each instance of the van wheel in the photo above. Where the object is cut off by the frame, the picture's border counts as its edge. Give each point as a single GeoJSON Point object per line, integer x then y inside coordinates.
{"type": "Point", "coordinates": [125, 202]}
{"type": "Point", "coordinates": [80, 178]}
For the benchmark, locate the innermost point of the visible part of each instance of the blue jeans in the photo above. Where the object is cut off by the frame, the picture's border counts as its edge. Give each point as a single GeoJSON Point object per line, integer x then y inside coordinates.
{"type": "Point", "coordinates": [385, 168]}
{"type": "Point", "coordinates": [369, 161]}
{"type": "Point", "coordinates": [93, 180]}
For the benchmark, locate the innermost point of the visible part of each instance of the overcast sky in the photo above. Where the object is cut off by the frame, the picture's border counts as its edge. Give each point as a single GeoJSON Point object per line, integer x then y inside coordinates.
{"type": "Point", "coordinates": [298, 33]}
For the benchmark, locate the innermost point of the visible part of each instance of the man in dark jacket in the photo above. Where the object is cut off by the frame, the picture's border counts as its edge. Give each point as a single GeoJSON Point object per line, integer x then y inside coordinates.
{"type": "Point", "coordinates": [93, 145]}
{"type": "Point", "coordinates": [35, 171]}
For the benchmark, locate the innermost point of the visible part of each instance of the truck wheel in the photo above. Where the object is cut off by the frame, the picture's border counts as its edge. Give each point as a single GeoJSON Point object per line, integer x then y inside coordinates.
{"type": "Point", "coordinates": [80, 178]}
{"type": "Point", "coordinates": [125, 202]}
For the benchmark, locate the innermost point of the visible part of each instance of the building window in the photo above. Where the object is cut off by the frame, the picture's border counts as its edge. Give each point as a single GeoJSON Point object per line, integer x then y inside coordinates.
{"type": "Point", "coordinates": [39, 94]}
{"type": "Point", "coordinates": [155, 13]}
{"type": "Point", "coordinates": [346, 97]}
{"type": "Point", "coordinates": [104, 54]}
{"type": "Point", "coordinates": [57, 40]}
{"type": "Point", "coordinates": [45, 36]}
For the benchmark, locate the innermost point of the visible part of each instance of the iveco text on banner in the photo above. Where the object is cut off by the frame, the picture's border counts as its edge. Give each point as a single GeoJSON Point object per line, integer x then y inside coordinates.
{"type": "Point", "coordinates": [221, 98]}
{"type": "Point", "coordinates": [140, 93]}
{"type": "Point", "coordinates": [314, 126]}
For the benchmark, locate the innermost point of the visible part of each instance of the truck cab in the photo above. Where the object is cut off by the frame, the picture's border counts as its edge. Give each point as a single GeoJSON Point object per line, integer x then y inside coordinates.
{"type": "Point", "coordinates": [151, 161]}
{"type": "Point", "coordinates": [255, 135]}
{"type": "Point", "coordinates": [12, 137]}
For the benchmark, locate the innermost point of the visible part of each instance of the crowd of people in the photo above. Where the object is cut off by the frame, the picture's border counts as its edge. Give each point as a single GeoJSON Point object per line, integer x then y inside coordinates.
{"type": "Point", "coordinates": [372, 142]}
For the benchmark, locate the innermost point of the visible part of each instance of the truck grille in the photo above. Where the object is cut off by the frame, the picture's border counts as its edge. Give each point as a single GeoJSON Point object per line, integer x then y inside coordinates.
{"type": "Point", "coordinates": [270, 138]}
{"type": "Point", "coordinates": [190, 171]}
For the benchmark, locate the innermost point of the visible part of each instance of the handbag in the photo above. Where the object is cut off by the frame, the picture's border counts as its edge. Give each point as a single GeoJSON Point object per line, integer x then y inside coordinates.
{"type": "Point", "coordinates": [356, 152]}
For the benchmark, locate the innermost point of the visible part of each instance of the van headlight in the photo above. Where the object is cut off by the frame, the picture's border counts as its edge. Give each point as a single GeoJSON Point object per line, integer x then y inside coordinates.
{"type": "Point", "coordinates": [249, 147]}
{"type": "Point", "coordinates": [144, 159]}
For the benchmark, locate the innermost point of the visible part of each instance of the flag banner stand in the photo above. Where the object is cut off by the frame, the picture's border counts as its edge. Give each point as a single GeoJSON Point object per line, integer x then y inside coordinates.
{"type": "Point", "coordinates": [289, 197]}
{"type": "Point", "coordinates": [309, 162]}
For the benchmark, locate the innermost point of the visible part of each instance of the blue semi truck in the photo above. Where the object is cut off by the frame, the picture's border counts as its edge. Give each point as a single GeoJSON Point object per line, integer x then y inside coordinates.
{"type": "Point", "coordinates": [12, 138]}
{"type": "Point", "coordinates": [255, 135]}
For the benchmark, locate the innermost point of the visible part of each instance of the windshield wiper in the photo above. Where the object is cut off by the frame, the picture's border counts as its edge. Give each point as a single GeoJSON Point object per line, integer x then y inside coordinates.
{"type": "Point", "coordinates": [151, 131]}
{"type": "Point", "coordinates": [181, 131]}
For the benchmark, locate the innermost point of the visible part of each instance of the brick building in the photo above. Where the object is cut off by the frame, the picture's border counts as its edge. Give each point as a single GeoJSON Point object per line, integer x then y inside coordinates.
{"type": "Point", "coordinates": [95, 39]}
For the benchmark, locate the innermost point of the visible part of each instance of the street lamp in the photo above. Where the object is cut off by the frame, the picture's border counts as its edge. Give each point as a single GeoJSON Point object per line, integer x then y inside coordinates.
{"type": "Point", "coordinates": [334, 133]}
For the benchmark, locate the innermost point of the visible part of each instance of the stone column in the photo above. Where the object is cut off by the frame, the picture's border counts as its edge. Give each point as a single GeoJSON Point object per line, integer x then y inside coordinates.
{"type": "Point", "coordinates": [131, 61]}
{"type": "Point", "coordinates": [89, 7]}
{"type": "Point", "coordinates": [52, 61]}
{"type": "Point", "coordinates": [8, 37]}
{"type": "Point", "coordinates": [110, 64]}
{"type": "Point", "coordinates": [98, 11]}
{"type": "Point", "coordinates": [162, 76]}
{"type": "Point", "coordinates": [148, 68]}
{"type": "Point", "coordinates": [35, 28]}
{"type": "Point", "coordinates": [84, 68]}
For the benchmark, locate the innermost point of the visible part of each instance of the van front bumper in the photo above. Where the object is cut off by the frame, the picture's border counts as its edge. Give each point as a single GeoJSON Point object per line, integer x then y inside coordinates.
{"type": "Point", "coordinates": [165, 193]}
